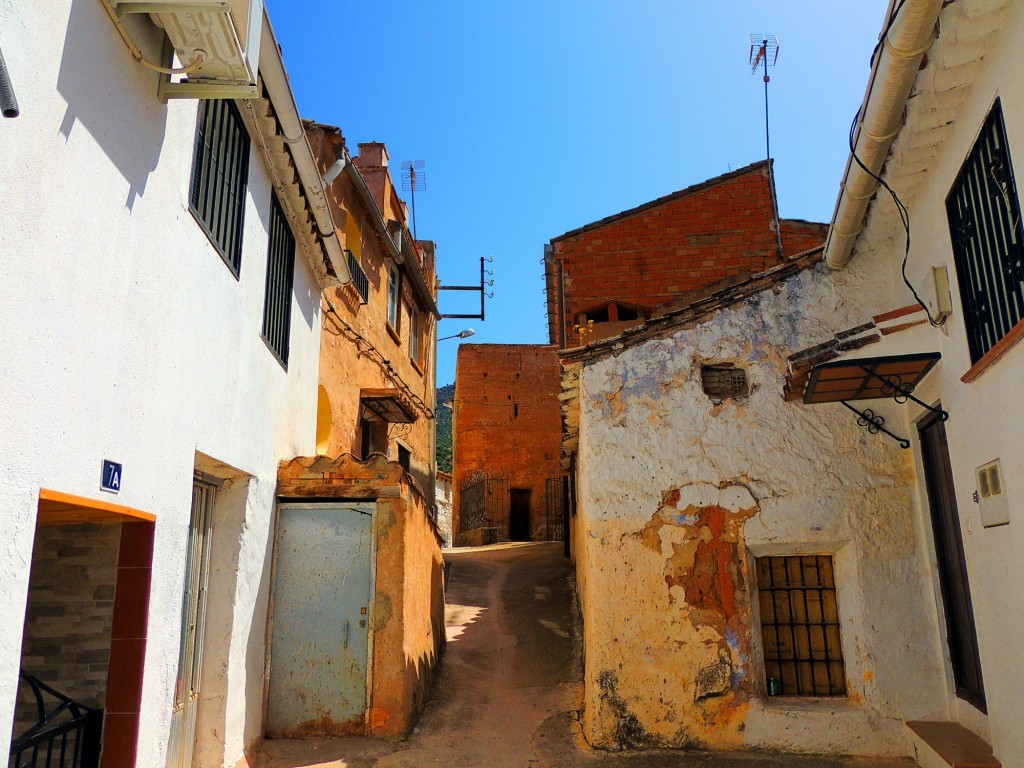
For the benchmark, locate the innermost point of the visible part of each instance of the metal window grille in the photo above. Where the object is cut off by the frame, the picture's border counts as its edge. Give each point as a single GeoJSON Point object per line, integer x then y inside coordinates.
{"type": "Point", "coordinates": [220, 171]}
{"type": "Point", "coordinates": [555, 493]}
{"type": "Point", "coordinates": [414, 335]}
{"type": "Point", "coordinates": [277, 307]}
{"type": "Point", "coordinates": [359, 278]}
{"type": "Point", "coordinates": [393, 298]}
{"type": "Point", "coordinates": [800, 626]}
{"type": "Point", "coordinates": [985, 229]}
{"type": "Point", "coordinates": [484, 504]}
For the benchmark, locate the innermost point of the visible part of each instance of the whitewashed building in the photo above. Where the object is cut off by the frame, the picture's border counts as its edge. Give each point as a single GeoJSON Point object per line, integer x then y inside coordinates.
{"type": "Point", "coordinates": [165, 240]}
{"type": "Point", "coordinates": [943, 125]}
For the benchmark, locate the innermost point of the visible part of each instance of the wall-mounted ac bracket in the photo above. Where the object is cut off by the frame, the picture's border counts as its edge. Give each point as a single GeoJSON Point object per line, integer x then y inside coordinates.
{"type": "Point", "coordinates": [201, 90]}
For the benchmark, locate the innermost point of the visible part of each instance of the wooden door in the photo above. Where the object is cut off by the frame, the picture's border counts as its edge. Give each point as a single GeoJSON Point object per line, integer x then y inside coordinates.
{"type": "Point", "coordinates": [952, 566]}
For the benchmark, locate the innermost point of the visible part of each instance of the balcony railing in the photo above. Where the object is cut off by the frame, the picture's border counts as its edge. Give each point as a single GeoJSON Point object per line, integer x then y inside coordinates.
{"type": "Point", "coordinates": [65, 735]}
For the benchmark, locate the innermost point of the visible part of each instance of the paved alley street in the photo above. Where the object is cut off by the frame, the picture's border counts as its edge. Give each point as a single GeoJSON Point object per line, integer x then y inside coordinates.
{"type": "Point", "coordinates": [510, 683]}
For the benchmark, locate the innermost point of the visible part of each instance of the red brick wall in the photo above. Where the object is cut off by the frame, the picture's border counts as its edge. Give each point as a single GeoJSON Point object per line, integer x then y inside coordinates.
{"type": "Point", "coordinates": [507, 421]}
{"type": "Point", "coordinates": [714, 231]}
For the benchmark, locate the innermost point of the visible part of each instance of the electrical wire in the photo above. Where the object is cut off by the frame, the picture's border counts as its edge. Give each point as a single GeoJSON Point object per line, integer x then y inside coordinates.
{"type": "Point", "coordinates": [900, 206]}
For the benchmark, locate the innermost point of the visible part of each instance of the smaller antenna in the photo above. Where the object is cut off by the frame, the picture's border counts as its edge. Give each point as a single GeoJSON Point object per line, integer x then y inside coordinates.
{"type": "Point", "coordinates": [414, 179]}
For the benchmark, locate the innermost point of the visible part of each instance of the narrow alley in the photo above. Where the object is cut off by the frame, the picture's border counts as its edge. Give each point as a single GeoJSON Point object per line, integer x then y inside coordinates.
{"type": "Point", "coordinates": [510, 683]}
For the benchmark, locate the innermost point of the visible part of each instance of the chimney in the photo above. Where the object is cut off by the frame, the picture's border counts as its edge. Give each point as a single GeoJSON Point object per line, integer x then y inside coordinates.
{"type": "Point", "coordinates": [372, 154]}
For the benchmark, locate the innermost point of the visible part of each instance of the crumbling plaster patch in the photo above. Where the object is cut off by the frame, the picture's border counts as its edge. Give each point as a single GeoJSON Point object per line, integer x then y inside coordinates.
{"type": "Point", "coordinates": [813, 482]}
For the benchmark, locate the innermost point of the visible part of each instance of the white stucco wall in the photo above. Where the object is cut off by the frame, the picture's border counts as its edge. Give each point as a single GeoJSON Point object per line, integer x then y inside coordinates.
{"type": "Point", "coordinates": [985, 416]}
{"type": "Point", "coordinates": [794, 479]}
{"type": "Point", "coordinates": [128, 338]}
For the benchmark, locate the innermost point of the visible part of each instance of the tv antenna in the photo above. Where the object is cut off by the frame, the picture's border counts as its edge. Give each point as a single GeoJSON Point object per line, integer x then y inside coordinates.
{"type": "Point", "coordinates": [764, 53]}
{"type": "Point", "coordinates": [414, 179]}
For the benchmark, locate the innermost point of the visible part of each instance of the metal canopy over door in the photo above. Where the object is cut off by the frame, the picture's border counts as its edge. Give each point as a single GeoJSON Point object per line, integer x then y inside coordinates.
{"type": "Point", "coordinates": [323, 582]}
{"type": "Point", "coordinates": [952, 565]}
{"type": "Point", "coordinates": [193, 620]}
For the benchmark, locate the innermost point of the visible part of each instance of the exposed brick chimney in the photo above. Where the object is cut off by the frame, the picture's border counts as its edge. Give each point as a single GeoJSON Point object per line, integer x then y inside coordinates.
{"type": "Point", "coordinates": [372, 154]}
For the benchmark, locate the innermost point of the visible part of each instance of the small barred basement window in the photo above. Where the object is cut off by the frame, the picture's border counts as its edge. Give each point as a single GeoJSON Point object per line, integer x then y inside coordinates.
{"type": "Point", "coordinates": [803, 654]}
{"type": "Point", "coordinates": [724, 381]}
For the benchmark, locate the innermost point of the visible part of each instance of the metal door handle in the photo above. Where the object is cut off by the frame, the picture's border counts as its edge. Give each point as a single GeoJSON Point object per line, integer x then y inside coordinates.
{"type": "Point", "coordinates": [346, 633]}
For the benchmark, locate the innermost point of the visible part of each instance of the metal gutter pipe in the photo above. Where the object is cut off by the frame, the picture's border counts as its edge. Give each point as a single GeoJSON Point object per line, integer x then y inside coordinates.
{"type": "Point", "coordinates": [893, 72]}
{"type": "Point", "coordinates": [275, 79]}
{"type": "Point", "coordinates": [8, 103]}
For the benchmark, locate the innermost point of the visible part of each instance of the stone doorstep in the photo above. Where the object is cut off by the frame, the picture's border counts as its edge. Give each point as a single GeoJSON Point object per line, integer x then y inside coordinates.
{"type": "Point", "coordinates": [938, 744]}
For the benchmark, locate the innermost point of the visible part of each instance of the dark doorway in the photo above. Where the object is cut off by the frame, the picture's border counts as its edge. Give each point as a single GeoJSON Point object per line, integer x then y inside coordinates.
{"type": "Point", "coordinates": [519, 514]}
{"type": "Point", "coordinates": [952, 566]}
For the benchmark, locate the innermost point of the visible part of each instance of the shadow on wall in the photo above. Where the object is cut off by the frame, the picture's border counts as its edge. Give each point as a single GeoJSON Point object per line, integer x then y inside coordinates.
{"type": "Point", "coordinates": [100, 96]}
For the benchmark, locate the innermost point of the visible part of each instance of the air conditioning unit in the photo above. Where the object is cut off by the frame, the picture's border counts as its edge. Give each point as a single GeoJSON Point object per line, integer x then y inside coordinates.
{"type": "Point", "coordinates": [225, 34]}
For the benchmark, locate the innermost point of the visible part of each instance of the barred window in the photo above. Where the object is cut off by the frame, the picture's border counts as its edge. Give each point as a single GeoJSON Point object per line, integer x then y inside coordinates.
{"type": "Point", "coordinates": [393, 298]}
{"type": "Point", "coordinates": [277, 306]}
{"type": "Point", "coordinates": [803, 654]}
{"type": "Point", "coordinates": [414, 335]}
{"type": "Point", "coordinates": [987, 237]}
{"type": "Point", "coordinates": [220, 170]}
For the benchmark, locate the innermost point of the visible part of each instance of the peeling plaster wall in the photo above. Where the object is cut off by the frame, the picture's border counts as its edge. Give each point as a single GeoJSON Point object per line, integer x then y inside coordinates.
{"type": "Point", "coordinates": [678, 494]}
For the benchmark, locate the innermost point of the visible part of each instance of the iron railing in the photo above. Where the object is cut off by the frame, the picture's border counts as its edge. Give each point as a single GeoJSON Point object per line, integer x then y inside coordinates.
{"type": "Point", "coordinates": [359, 278]}
{"type": "Point", "coordinates": [484, 504]}
{"type": "Point", "coordinates": [66, 736]}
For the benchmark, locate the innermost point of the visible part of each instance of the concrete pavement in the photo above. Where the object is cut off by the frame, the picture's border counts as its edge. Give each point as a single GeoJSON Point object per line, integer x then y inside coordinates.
{"type": "Point", "coordinates": [510, 684]}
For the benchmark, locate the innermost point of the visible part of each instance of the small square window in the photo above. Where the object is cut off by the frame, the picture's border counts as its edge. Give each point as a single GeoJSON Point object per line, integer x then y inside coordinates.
{"type": "Point", "coordinates": [404, 457]}
{"type": "Point", "coordinates": [803, 654]}
{"type": "Point", "coordinates": [725, 381]}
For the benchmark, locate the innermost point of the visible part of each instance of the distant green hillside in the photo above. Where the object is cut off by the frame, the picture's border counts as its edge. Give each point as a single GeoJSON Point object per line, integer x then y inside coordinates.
{"type": "Point", "coordinates": [445, 395]}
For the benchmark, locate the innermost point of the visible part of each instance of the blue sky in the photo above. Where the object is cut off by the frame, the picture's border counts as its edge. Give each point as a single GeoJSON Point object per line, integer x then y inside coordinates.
{"type": "Point", "coordinates": [534, 118]}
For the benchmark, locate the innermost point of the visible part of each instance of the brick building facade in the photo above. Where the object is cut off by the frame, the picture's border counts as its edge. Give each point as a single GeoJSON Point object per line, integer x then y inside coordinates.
{"type": "Point", "coordinates": [507, 436]}
{"type": "Point", "coordinates": [615, 271]}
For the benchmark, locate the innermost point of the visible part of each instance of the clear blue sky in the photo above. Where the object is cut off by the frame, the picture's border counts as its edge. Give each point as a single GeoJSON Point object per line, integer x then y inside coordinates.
{"type": "Point", "coordinates": [535, 118]}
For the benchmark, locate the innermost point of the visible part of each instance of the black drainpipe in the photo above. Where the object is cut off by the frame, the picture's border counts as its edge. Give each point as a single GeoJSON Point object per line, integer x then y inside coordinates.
{"type": "Point", "coordinates": [8, 104]}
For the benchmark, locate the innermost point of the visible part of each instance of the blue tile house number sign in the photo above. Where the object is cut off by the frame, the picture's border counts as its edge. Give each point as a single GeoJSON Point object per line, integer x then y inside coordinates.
{"type": "Point", "coordinates": [111, 480]}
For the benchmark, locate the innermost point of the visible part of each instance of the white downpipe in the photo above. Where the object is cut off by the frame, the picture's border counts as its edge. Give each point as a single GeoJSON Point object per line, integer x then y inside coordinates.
{"type": "Point", "coordinates": [278, 88]}
{"type": "Point", "coordinates": [892, 77]}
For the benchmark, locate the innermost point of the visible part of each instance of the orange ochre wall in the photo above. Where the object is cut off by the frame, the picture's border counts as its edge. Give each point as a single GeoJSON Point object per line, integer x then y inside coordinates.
{"type": "Point", "coordinates": [507, 421]}
{"type": "Point", "coordinates": [353, 330]}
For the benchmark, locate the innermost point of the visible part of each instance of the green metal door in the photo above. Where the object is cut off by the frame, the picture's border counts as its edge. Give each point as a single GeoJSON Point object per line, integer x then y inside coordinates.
{"type": "Point", "coordinates": [323, 582]}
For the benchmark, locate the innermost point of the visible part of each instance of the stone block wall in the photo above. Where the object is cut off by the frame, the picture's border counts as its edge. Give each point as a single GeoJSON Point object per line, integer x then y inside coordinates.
{"type": "Point", "coordinates": [70, 614]}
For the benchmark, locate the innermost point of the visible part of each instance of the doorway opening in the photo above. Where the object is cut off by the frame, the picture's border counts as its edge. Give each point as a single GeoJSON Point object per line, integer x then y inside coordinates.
{"type": "Point", "coordinates": [519, 514]}
{"type": "Point", "coordinates": [84, 642]}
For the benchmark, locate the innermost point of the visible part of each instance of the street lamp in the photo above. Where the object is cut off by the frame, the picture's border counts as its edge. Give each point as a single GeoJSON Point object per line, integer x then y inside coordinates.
{"type": "Point", "coordinates": [461, 335]}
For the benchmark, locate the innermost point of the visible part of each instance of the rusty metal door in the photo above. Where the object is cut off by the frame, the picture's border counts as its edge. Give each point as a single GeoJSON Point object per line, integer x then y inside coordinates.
{"type": "Point", "coordinates": [323, 582]}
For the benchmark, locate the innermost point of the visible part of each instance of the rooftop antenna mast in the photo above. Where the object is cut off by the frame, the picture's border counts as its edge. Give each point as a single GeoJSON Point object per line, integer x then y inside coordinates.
{"type": "Point", "coordinates": [414, 179]}
{"type": "Point", "coordinates": [764, 53]}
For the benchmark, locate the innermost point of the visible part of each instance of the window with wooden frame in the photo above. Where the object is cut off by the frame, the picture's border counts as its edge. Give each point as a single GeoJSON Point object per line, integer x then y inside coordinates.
{"type": "Point", "coordinates": [277, 302]}
{"type": "Point", "coordinates": [220, 173]}
{"type": "Point", "coordinates": [988, 239]}
{"type": "Point", "coordinates": [394, 298]}
{"type": "Point", "coordinates": [803, 653]}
